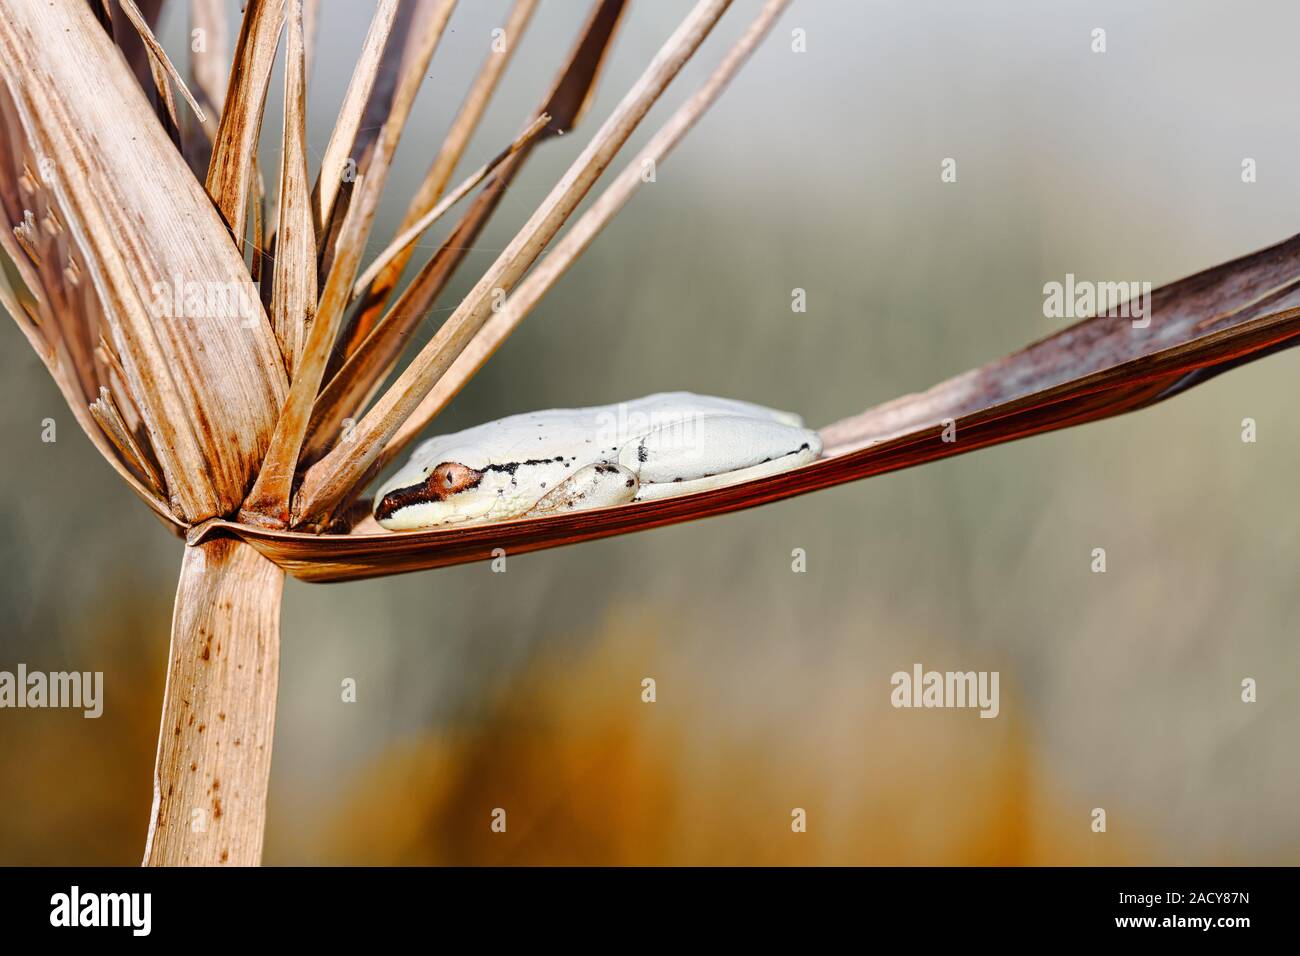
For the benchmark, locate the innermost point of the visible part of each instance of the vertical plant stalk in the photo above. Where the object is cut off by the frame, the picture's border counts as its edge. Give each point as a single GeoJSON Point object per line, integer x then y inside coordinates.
{"type": "Point", "coordinates": [218, 721]}
{"type": "Point", "coordinates": [106, 227]}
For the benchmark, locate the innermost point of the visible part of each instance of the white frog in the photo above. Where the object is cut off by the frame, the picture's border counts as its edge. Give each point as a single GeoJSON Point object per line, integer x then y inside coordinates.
{"type": "Point", "coordinates": [563, 460]}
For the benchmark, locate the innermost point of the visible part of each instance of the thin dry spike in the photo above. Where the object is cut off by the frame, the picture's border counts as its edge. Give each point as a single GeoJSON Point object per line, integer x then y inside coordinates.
{"type": "Point", "coordinates": [230, 174]}
{"type": "Point", "coordinates": [159, 55]}
{"type": "Point", "coordinates": [584, 231]}
{"type": "Point", "coordinates": [157, 500]}
{"type": "Point", "coordinates": [27, 289]}
{"type": "Point", "coordinates": [354, 104]}
{"type": "Point", "coordinates": [115, 375]}
{"type": "Point", "coordinates": [402, 244]}
{"type": "Point", "coordinates": [293, 299]}
{"type": "Point", "coordinates": [105, 411]}
{"type": "Point", "coordinates": [444, 164]}
{"type": "Point", "coordinates": [25, 233]}
{"type": "Point", "coordinates": [333, 478]}
{"type": "Point", "coordinates": [39, 240]}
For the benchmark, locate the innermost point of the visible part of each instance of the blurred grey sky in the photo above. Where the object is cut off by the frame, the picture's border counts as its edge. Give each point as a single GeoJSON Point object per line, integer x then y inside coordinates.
{"type": "Point", "coordinates": [820, 170]}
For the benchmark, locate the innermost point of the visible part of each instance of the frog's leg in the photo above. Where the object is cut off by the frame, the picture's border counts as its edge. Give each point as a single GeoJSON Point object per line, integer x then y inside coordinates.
{"type": "Point", "coordinates": [601, 485]}
{"type": "Point", "coordinates": [669, 489]}
{"type": "Point", "coordinates": [708, 451]}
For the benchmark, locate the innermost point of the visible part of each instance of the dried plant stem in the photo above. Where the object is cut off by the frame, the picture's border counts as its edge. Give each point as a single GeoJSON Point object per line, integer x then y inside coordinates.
{"type": "Point", "coordinates": [401, 245]}
{"type": "Point", "coordinates": [333, 478]}
{"type": "Point", "coordinates": [129, 280]}
{"type": "Point", "coordinates": [439, 174]}
{"type": "Point", "coordinates": [218, 721]}
{"type": "Point", "coordinates": [166, 101]}
{"type": "Point", "coordinates": [584, 232]}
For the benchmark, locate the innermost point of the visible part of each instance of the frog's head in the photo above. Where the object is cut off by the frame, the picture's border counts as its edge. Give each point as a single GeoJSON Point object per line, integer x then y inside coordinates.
{"type": "Point", "coordinates": [435, 500]}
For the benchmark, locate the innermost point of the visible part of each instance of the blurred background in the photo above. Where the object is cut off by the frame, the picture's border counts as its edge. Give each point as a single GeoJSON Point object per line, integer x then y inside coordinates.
{"type": "Point", "coordinates": [818, 170]}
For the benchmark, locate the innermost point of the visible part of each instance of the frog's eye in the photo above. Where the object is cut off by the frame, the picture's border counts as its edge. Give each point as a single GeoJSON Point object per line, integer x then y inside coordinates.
{"type": "Point", "coordinates": [451, 477]}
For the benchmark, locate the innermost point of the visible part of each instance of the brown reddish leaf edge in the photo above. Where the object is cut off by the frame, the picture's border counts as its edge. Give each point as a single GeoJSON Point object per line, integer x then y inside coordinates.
{"type": "Point", "coordinates": [1201, 326]}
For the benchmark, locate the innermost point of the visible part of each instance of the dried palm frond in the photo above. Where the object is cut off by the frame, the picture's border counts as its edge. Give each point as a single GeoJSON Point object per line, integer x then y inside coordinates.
{"type": "Point", "coordinates": [1206, 324]}
{"type": "Point", "coordinates": [226, 415]}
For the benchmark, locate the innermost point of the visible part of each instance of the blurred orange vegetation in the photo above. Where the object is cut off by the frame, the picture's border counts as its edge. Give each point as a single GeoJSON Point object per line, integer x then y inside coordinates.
{"type": "Point", "coordinates": [77, 792]}
{"type": "Point", "coordinates": [588, 773]}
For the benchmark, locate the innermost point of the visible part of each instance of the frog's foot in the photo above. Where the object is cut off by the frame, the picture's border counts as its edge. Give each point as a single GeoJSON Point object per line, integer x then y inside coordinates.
{"type": "Point", "coordinates": [601, 485]}
{"type": "Point", "coordinates": [712, 451]}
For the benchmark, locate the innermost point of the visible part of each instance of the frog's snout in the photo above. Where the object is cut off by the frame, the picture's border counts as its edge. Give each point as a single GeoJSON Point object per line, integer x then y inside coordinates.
{"type": "Point", "coordinates": [448, 479]}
